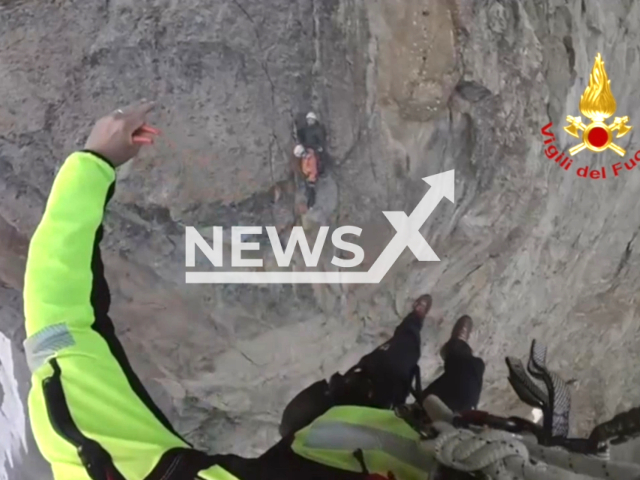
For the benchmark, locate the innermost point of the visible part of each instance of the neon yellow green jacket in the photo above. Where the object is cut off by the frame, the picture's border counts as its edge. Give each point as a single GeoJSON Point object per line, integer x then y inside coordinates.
{"type": "Point", "coordinates": [91, 416]}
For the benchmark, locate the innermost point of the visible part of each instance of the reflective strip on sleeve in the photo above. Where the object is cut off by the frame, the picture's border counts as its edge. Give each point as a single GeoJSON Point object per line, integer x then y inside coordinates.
{"type": "Point", "coordinates": [350, 437]}
{"type": "Point", "coordinates": [46, 343]}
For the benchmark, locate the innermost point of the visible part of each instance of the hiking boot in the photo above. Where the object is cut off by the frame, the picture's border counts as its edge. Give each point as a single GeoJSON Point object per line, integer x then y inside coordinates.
{"type": "Point", "coordinates": [422, 305]}
{"type": "Point", "coordinates": [461, 331]}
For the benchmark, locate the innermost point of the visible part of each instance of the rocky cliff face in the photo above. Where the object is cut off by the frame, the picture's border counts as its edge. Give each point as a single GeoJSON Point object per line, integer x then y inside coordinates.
{"type": "Point", "coordinates": [407, 89]}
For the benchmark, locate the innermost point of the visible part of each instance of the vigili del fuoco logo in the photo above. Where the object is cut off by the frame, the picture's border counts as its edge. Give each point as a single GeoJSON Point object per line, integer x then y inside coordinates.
{"type": "Point", "coordinates": [597, 104]}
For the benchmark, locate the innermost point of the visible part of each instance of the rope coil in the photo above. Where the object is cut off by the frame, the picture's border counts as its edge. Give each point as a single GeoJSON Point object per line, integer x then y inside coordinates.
{"type": "Point", "coordinates": [465, 451]}
{"type": "Point", "coordinates": [506, 456]}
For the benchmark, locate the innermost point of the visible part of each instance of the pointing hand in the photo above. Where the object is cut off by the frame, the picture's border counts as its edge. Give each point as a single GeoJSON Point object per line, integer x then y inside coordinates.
{"type": "Point", "coordinates": [119, 136]}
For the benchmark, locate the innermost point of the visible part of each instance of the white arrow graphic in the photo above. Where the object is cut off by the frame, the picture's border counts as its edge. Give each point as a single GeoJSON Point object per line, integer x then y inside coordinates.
{"type": "Point", "coordinates": [407, 235]}
{"type": "Point", "coordinates": [408, 228]}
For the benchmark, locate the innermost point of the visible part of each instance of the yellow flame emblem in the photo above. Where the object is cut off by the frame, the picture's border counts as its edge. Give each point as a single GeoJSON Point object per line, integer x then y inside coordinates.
{"type": "Point", "coordinates": [598, 103]}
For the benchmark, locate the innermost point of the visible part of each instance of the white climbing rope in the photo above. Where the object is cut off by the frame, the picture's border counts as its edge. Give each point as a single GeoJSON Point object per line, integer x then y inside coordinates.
{"type": "Point", "coordinates": [505, 456]}
{"type": "Point", "coordinates": [467, 452]}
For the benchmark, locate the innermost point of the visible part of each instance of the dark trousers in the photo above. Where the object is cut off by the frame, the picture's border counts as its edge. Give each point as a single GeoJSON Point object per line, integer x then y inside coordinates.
{"type": "Point", "coordinates": [311, 194]}
{"type": "Point", "coordinates": [382, 379]}
{"type": "Point", "coordinates": [460, 385]}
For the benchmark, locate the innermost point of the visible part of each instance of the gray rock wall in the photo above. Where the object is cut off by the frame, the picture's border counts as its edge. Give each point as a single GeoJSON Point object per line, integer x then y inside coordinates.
{"type": "Point", "coordinates": [407, 89]}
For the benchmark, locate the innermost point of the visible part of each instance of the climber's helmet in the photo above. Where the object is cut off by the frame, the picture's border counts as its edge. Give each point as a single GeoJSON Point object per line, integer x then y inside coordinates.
{"type": "Point", "coordinates": [311, 118]}
{"type": "Point", "coordinates": [299, 151]}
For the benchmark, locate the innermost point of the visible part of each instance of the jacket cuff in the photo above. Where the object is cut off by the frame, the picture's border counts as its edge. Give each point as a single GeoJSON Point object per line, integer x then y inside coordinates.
{"type": "Point", "coordinates": [97, 155]}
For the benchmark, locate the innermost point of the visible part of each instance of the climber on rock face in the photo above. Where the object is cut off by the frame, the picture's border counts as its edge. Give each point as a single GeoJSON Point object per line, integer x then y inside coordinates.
{"type": "Point", "coordinates": [93, 419]}
{"type": "Point", "coordinates": [309, 168]}
{"type": "Point", "coordinates": [313, 135]}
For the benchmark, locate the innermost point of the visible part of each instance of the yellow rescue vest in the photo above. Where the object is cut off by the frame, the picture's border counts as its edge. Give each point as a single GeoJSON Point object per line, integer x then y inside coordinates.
{"type": "Point", "coordinates": [387, 443]}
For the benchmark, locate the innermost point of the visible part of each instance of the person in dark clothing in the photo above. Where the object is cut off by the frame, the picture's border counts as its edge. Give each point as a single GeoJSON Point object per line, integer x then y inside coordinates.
{"type": "Point", "coordinates": [388, 371]}
{"type": "Point", "coordinates": [382, 378]}
{"type": "Point", "coordinates": [313, 135]}
{"type": "Point", "coordinates": [460, 385]}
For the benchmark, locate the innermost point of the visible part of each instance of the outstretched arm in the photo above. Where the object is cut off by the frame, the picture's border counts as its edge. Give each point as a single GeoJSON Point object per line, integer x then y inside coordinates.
{"type": "Point", "coordinates": [90, 415]}
{"type": "Point", "coordinates": [60, 287]}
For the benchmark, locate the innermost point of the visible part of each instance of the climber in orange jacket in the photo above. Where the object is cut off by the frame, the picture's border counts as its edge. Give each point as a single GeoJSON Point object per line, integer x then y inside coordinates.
{"type": "Point", "coordinates": [309, 168]}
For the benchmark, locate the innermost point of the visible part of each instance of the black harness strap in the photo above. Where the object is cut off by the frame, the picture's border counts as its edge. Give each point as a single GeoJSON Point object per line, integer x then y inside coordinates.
{"type": "Point", "coordinates": [359, 455]}
{"type": "Point", "coordinates": [415, 385]}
